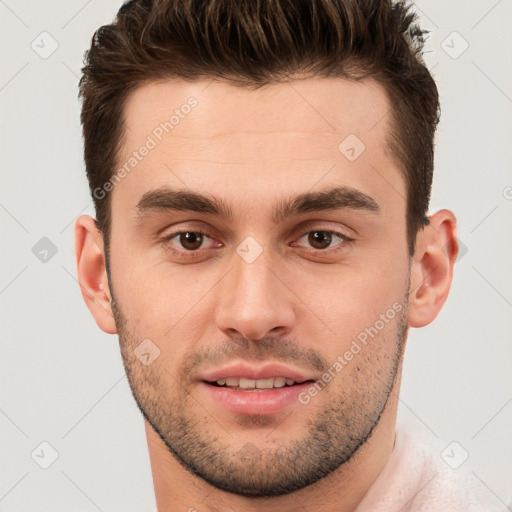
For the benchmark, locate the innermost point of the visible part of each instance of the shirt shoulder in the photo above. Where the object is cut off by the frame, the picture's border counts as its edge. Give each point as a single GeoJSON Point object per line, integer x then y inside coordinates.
{"type": "Point", "coordinates": [420, 477]}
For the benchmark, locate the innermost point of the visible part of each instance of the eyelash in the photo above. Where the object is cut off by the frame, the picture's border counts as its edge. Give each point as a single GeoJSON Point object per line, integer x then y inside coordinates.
{"type": "Point", "coordinates": [346, 241]}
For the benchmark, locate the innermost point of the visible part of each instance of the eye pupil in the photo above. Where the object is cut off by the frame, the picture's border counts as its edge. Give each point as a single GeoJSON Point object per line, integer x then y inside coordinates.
{"type": "Point", "coordinates": [320, 237]}
{"type": "Point", "coordinates": [191, 240]}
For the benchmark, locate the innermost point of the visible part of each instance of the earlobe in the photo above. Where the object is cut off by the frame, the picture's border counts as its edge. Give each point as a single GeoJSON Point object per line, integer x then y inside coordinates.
{"type": "Point", "coordinates": [432, 268]}
{"type": "Point", "coordinates": [92, 275]}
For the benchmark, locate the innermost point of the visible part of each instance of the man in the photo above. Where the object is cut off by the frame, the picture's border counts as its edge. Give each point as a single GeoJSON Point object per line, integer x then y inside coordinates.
{"type": "Point", "coordinates": [261, 173]}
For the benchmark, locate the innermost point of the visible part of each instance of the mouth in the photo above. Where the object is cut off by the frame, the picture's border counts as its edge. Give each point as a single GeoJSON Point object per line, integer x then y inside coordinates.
{"type": "Point", "coordinates": [248, 385]}
{"type": "Point", "coordinates": [270, 375]}
{"type": "Point", "coordinates": [265, 390]}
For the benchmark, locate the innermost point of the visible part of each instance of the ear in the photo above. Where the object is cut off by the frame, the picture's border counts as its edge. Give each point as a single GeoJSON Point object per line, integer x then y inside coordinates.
{"type": "Point", "coordinates": [432, 268]}
{"type": "Point", "coordinates": [92, 275]}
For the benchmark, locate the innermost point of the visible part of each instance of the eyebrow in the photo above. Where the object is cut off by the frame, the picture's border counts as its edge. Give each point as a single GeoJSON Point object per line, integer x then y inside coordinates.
{"type": "Point", "coordinates": [338, 198]}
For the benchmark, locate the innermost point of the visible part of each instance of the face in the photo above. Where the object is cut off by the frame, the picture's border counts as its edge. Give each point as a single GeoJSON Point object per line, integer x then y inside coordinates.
{"type": "Point", "coordinates": [259, 274]}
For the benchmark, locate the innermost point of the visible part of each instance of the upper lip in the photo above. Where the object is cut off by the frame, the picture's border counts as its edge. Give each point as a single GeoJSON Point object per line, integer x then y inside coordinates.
{"type": "Point", "coordinates": [265, 371]}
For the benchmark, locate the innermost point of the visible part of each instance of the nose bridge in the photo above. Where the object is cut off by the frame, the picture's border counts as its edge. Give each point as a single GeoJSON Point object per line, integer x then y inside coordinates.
{"type": "Point", "coordinates": [252, 299]}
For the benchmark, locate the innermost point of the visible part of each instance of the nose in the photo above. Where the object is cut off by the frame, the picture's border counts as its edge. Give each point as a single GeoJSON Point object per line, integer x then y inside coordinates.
{"type": "Point", "coordinates": [255, 301]}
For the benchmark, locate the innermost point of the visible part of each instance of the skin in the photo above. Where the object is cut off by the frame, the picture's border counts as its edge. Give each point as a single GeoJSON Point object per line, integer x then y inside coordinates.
{"type": "Point", "coordinates": [299, 302]}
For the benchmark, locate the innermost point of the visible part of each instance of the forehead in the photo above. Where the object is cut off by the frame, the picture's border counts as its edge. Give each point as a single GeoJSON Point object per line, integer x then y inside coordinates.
{"type": "Point", "coordinates": [325, 105]}
{"type": "Point", "coordinates": [210, 134]}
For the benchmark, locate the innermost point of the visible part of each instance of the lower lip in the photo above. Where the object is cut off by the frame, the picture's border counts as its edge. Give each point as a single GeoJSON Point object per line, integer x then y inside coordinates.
{"type": "Point", "coordinates": [257, 402]}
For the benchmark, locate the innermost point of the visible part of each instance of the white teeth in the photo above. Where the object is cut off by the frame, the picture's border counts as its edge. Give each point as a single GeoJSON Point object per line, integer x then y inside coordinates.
{"type": "Point", "coordinates": [279, 382]}
{"type": "Point", "coordinates": [244, 383]}
{"type": "Point", "coordinates": [265, 383]}
{"type": "Point", "coordinates": [247, 383]}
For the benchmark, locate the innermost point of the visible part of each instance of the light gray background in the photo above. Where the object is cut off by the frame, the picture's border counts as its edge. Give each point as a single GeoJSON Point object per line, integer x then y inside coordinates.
{"type": "Point", "coordinates": [62, 379]}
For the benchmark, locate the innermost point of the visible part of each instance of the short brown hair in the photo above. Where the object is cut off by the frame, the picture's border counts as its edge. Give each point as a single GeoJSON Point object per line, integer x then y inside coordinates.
{"type": "Point", "coordinates": [252, 43]}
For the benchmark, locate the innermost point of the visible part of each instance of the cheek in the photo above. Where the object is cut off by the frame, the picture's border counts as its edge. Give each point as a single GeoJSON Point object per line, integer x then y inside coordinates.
{"type": "Point", "coordinates": [164, 303]}
{"type": "Point", "coordinates": [349, 299]}
{"type": "Point", "coordinates": [363, 317]}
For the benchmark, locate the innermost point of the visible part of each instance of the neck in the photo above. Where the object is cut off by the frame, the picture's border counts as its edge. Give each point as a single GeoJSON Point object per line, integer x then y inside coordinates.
{"type": "Point", "coordinates": [342, 490]}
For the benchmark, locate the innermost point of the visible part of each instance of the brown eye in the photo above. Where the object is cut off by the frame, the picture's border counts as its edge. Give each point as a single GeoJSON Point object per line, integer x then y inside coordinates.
{"type": "Point", "coordinates": [191, 240]}
{"type": "Point", "coordinates": [320, 239]}
{"type": "Point", "coordinates": [187, 243]}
